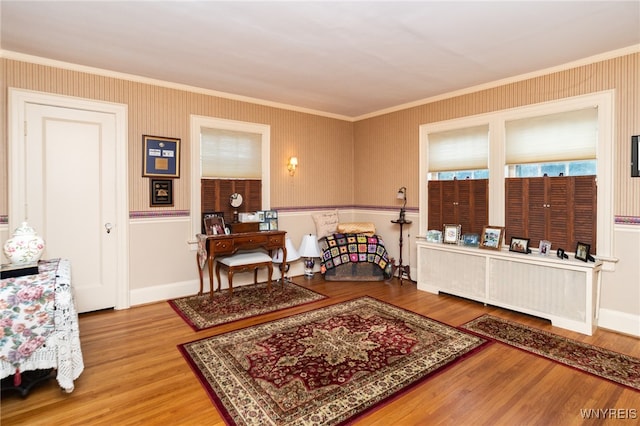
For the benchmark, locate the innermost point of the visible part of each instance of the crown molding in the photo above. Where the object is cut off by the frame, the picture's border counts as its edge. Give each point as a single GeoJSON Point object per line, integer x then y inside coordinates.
{"type": "Point", "coordinates": [139, 79]}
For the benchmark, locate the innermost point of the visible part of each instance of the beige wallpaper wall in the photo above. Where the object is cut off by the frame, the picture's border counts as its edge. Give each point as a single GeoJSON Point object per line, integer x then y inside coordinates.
{"type": "Point", "coordinates": [323, 145]}
{"type": "Point", "coordinates": [391, 141]}
{"type": "Point", "coordinates": [341, 163]}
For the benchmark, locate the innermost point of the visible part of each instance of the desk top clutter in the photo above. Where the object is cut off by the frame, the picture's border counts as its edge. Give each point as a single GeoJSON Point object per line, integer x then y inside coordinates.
{"type": "Point", "coordinates": [39, 324]}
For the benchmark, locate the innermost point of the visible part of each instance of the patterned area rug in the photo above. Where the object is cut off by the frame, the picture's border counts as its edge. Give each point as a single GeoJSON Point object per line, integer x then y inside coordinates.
{"type": "Point", "coordinates": [614, 366]}
{"type": "Point", "coordinates": [325, 366]}
{"type": "Point", "coordinates": [247, 301]}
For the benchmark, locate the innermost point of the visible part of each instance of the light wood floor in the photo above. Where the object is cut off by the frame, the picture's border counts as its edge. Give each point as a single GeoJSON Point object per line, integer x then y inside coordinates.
{"type": "Point", "coordinates": [134, 373]}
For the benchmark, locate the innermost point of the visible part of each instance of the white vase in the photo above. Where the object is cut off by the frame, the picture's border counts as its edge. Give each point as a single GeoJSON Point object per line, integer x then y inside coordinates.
{"type": "Point", "coordinates": [25, 246]}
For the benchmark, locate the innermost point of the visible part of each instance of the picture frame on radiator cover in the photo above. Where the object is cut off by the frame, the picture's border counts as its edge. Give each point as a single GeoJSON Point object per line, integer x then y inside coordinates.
{"type": "Point", "coordinates": [451, 234]}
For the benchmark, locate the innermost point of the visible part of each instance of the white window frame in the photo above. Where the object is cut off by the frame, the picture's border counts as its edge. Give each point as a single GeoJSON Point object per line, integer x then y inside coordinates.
{"type": "Point", "coordinates": [198, 122]}
{"type": "Point", "coordinates": [604, 101]}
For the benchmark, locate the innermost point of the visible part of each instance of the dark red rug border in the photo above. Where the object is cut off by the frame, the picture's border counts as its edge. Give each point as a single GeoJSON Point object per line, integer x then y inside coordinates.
{"type": "Point", "coordinates": [227, 418]}
{"type": "Point", "coordinates": [543, 356]}
{"type": "Point", "coordinates": [196, 328]}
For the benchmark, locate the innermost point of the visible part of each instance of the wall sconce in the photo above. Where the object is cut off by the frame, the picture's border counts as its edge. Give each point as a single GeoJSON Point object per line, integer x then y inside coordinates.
{"type": "Point", "coordinates": [402, 195]}
{"type": "Point", "coordinates": [292, 164]}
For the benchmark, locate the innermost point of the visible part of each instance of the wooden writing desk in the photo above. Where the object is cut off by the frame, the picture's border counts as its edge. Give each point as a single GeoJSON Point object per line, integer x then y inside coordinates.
{"type": "Point", "coordinates": [210, 246]}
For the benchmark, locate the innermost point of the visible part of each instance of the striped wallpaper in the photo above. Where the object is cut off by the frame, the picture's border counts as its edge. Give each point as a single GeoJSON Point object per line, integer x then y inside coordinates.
{"type": "Point", "coordinates": [342, 163]}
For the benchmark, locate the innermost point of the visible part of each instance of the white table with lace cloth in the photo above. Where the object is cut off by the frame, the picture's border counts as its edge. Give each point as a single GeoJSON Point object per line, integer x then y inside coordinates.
{"type": "Point", "coordinates": [39, 324]}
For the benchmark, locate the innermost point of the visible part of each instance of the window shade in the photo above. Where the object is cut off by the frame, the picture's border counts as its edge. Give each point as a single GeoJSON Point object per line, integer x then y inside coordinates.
{"type": "Point", "coordinates": [557, 137]}
{"type": "Point", "coordinates": [230, 154]}
{"type": "Point", "coordinates": [459, 149]}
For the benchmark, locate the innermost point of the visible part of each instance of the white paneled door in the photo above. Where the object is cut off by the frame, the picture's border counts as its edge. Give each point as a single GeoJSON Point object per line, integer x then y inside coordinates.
{"type": "Point", "coordinates": [71, 195]}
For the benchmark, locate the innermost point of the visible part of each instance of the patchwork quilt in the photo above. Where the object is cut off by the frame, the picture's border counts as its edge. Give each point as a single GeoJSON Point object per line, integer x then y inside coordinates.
{"type": "Point", "coordinates": [340, 249]}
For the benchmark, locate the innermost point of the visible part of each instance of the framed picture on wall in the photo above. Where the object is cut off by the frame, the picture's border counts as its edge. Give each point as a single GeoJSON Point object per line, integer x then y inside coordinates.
{"type": "Point", "coordinates": [635, 156]}
{"type": "Point", "coordinates": [161, 192]}
{"type": "Point", "coordinates": [160, 157]}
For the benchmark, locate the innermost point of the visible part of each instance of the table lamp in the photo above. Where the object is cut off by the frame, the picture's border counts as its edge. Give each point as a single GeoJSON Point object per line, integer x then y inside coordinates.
{"type": "Point", "coordinates": [402, 195]}
{"type": "Point", "coordinates": [309, 249]}
{"type": "Point", "coordinates": [292, 256]}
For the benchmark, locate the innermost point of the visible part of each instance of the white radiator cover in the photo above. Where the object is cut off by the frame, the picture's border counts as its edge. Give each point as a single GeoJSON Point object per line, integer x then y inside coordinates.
{"type": "Point", "coordinates": [563, 291]}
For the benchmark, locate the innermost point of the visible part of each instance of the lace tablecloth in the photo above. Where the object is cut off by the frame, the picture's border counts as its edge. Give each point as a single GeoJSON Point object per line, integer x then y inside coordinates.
{"type": "Point", "coordinates": [56, 343]}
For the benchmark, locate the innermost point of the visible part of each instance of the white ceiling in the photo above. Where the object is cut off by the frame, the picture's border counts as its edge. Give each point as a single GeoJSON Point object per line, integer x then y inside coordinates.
{"type": "Point", "coordinates": [347, 59]}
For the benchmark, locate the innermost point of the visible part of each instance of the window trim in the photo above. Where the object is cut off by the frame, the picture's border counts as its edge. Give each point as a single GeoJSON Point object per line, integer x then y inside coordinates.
{"type": "Point", "coordinates": [604, 101]}
{"type": "Point", "coordinates": [198, 122]}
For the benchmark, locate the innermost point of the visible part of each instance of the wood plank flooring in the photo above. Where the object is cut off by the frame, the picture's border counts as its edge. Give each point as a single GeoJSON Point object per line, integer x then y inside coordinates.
{"type": "Point", "coordinates": [134, 374]}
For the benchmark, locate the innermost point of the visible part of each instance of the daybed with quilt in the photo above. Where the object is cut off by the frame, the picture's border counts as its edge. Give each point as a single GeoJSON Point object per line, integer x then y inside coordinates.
{"type": "Point", "coordinates": [351, 251]}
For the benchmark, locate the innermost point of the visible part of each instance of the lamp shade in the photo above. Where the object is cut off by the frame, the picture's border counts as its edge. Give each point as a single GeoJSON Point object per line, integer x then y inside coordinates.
{"type": "Point", "coordinates": [292, 253]}
{"type": "Point", "coordinates": [309, 246]}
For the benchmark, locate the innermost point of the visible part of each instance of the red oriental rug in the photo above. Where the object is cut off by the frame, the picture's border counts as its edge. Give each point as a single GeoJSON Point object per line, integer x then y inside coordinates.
{"type": "Point", "coordinates": [201, 312]}
{"type": "Point", "coordinates": [325, 366]}
{"type": "Point", "coordinates": [600, 362]}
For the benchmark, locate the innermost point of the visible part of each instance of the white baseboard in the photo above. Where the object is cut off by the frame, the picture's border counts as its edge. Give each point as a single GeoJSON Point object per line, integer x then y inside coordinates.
{"type": "Point", "coordinates": [621, 322]}
{"type": "Point", "coordinates": [159, 293]}
{"type": "Point", "coordinates": [162, 292]}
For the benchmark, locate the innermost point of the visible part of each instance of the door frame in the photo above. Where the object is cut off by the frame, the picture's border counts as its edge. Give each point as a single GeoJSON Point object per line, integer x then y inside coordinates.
{"type": "Point", "coordinates": [18, 99]}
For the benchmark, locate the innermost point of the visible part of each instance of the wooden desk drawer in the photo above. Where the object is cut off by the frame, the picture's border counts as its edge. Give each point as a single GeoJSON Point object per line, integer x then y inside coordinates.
{"type": "Point", "coordinates": [276, 241]}
{"type": "Point", "coordinates": [250, 240]}
{"type": "Point", "coordinates": [222, 246]}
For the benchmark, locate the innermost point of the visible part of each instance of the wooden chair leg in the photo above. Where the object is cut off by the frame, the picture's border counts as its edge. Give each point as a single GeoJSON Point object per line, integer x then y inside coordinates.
{"type": "Point", "coordinates": [218, 277]}
{"type": "Point", "coordinates": [230, 281]}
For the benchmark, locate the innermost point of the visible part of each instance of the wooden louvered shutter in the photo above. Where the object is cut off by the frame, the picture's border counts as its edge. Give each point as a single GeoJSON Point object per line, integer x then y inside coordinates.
{"type": "Point", "coordinates": [434, 192]}
{"type": "Point", "coordinates": [215, 193]}
{"type": "Point", "coordinates": [561, 210]}
{"type": "Point", "coordinates": [585, 211]}
{"type": "Point", "coordinates": [479, 206]}
{"type": "Point", "coordinates": [515, 212]}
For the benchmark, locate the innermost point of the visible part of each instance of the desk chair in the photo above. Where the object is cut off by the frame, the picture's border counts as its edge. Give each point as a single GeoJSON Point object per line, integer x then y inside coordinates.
{"type": "Point", "coordinates": [242, 262]}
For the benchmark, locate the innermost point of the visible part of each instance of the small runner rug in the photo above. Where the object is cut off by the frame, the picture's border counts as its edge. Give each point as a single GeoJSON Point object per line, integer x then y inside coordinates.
{"type": "Point", "coordinates": [324, 366]}
{"type": "Point", "coordinates": [613, 366]}
{"type": "Point", "coordinates": [201, 312]}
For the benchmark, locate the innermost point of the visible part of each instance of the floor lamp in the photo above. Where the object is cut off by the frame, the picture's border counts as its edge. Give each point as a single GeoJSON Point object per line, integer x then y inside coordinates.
{"type": "Point", "coordinates": [309, 249]}
{"type": "Point", "coordinates": [292, 256]}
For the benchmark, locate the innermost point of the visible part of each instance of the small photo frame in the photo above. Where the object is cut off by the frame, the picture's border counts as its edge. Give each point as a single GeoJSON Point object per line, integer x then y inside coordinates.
{"type": "Point", "coordinates": [160, 157]}
{"type": "Point", "coordinates": [214, 225]}
{"type": "Point", "coordinates": [519, 245]}
{"type": "Point", "coordinates": [471, 240]}
{"type": "Point", "coordinates": [635, 156]}
{"type": "Point", "coordinates": [544, 248]}
{"type": "Point", "coordinates": [161, 192]}
{"type": "Point", "coordinates": [491, 237]}
{"type": "Point", "coordinates": [208, 214]}
{"type": "Point", "coordinates": [582, 251]}
{"type": "Point", "coordinates": [451, 234]}
{"type": "Point", "coordinates": [434, 236]}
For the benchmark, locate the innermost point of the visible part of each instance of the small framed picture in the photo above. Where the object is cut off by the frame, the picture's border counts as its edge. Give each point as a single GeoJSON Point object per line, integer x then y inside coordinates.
{"type": "Point", "coordinates": [491, 237]}
{"type": "Point", "coordinates": [434, 236]}
{"type": "Point", "coordinates": [519, 245]}
{"type": "Point", "coordinates": [206, 215]}
{"type": "Point", "coordinates": [635, 156]}
{"type": "Point", "coordinates": [582, 251]}
{"type": "Point", "coordinates": [451, 234]}
{"type": "Point", "coordinates": [544, 248]}
{"type": "Point", "coordinates": [161, 192]}
{"type": "Point", "coordinates": [471, 240]}
{"type": "Point", "coordinates": [160, 157]}
{"type": "Point", "coordinates": [214, 225]}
